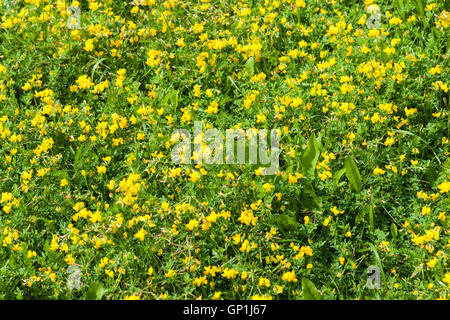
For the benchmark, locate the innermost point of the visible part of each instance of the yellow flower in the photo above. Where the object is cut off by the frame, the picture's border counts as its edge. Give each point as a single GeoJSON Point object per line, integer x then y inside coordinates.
{"type": "Point", "coordinates": [229, 273]}
{"type": "Point", "coordinates": [264, 282]}
{"type": "Point", "coordinates": [432, 262]}
{"type": "Point", "coordinates": [444, 187]}
{"type": "Point", "coordinates": [194, 176]}
{"type": "Point", "coordinates": [389, 141]}
{"type": "Point", "coordinates": [447, 279]}
{"type": "Point", "coordinates": [84, 82]}
{"type": "Point", "coordinates": [180, 43]}
{"type": "Point", "coordinates": [140, 234]}
{"type": "Point", "coordinates": [213, 107]}
{"type": "Point", "coordinates": [260, 118]}
{"type": "Point", "coordinates": [197, 91]}
{"type": "Point", "coordinates": [430, 6]}
{"type": "Point", "coordinates": [199, 281]}
{"type": "Point", "coordinates": [103, 262]}
{"type": "Point", "coordinates": [278, 289]}
{"type": "Point", "coordinates": [289, 276]}
{"type": "Point", "coordinates": [140, 136]}
{"type": "Point", "coordinates": [268, 187]}
{"type": "Point", "coordinates": [395, 21]}
{"type": "Point", "coordinates": [134, 10]}
{"type": "Point", "coordinates": [101, 169]}
{"type": "Point", "coordinates": [263, 297]}
{"type": "Point", "coordinates": [335, 210]}
{"type": "Point", "coordinates": [425, 210]}
{"type": "Point", "coordinates": [247, 217]}
{"type": "Point", "coordinates": [378, 171]}
{"type": "Point", "coordinates": [64, 182]}
{"type": "Point", "coordinates": [111, 184]}
{"type": "Point", "coordinates": [110, 273]}
{"type": "Point", "coordinates": [258, 171]}
{"type": "Point", "coordinates": [170, 274]}
{"type": "Point", "coordinates": [94, 5]}
{"type": "Point", "coordinates": [192, 224]}
{"type": "Point", "coordinates": [69, 260]}
{"type": "Point", "coordinates": [89, 45]}
{"type": "Point", "coordinates": [154, 58]}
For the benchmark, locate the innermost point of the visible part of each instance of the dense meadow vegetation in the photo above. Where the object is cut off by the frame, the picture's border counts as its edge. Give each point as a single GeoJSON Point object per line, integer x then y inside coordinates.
{"type": "Point", "coordinates": [93, 207]}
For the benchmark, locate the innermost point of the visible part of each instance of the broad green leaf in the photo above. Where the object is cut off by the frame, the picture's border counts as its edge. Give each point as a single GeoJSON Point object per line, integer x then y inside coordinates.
{"type": "Point", "coordinates": [309, 290]}
{"type": "Point", "coordinates": [337, 176]}
{"type": "Point", "coordinates": [431, 174]}
{"type": "Point", "coordinates": [79, 159]}
{"type": "Point", "coordinates": [377, 259]}
{"type": "Point", "coordinates": [284, 222]}
{"type": "Point", "coordinates": [311, 155]}
{"type": "Point", "coordinates": [352, 174]}
{"type": "Point", "coordinates": [445, 172]}
{"type": "Point", "coordinates": [394, 230]}
{"type": "Point", "coordinates": [174, 99]}
{"type": "Point", "coordinates": [420, 8]}
{"type": "Point", "coordinates": [230, 79]}
{"type": "Point", "coordinates": [61, 174]}
{"type": "Point", "coordinates": [309, 199]}
{"type": "Point", "coordinates": [400, 8]}
{"type": "Point", "coordinates": [95, 291]}
{"type": "Point", "coordinates": [250, 66]}
{"type": "Point", "coordinates": [171, 100]}
{"type": "Point", "coordinates": [96, 66]}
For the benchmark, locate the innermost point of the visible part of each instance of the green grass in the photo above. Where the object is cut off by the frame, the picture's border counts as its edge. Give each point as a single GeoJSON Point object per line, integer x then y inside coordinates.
{"type": "Point", "coordinates": [86, 176]}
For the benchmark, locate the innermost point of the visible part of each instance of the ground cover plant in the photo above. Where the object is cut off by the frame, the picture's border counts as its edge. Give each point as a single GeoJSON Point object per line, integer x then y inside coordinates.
{"type": "Point", "coordinates": [93, 207]}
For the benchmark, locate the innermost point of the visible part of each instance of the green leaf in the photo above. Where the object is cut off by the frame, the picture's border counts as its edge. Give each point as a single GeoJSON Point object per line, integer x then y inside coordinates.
{"type": "Point", "coordinates": [79, 159]}
{"type": "Point", "coordinates": [171, 100]}
{"type": "Point", "coordinates": [309, 290]}
{"type": "Point", "coordinates": [96, 66]}
{"type": "Point", "coordinates": [61, 174]}
{"type": "Point", "coordinates": [95, 291]}
{"type": "Point", "coordinates": [309, 199]}
{"type": "Point", "coordinates": [394, 230]}
{"type": "Point", "coordinates": [337, 176]}
{"type": "Point", "coordinates": [400, 8]}
{"type": "Point", "coordinates": [352, 174]}
{"type": "Point", "coordinates": [284, 222]}
{"type": "Point", "coordinates": [371, 221]}
{"type": "Point", "coordinates": [431, 174]}
{"type": "Point", "coordinates": [419, 8]}
{"type": "Point", "coordinates": [233, 83]}
{"type": "Point", "coordinates": [377, 259]}
{"type": "Point", "coordinates": [311, 155]}
{"type": "Point", "coordinates": [445, 172]}
{"type": "Point", "coordinates": [250, 67]}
